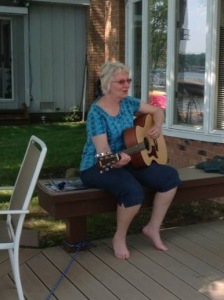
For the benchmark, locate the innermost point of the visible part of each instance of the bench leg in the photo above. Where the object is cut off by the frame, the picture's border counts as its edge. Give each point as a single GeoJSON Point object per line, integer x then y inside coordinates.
{"type": "Point", "coordinates": [76, 232]}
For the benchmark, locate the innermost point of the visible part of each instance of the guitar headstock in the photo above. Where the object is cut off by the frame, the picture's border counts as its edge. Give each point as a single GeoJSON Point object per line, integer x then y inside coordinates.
{"type": "Point", "coordinates": [104, 161]}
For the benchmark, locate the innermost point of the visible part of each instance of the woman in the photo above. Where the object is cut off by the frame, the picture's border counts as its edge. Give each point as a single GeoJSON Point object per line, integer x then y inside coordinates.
{"type": "Point", "coordinates": [107, 120]}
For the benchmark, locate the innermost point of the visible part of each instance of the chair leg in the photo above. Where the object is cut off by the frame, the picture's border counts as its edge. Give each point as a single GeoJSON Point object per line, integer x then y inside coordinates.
{"type": "Point", "coordinates": [14, 258]}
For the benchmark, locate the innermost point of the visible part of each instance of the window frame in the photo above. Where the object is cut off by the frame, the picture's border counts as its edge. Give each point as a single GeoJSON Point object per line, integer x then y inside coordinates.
{"type": "Point", "coordinates": [129, 21]}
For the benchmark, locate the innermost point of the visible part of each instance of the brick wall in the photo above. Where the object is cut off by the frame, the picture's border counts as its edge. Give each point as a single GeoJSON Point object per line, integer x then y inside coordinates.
{"type": "Point", "coordinates": [184, 153]}
{"type": "Point", "coordinates": [105, 41]}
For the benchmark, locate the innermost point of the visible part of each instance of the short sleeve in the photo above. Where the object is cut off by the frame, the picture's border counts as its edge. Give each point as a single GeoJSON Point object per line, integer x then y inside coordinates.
{"type": "Point", "coordinates": [131, 104]}
{"type": "Point", "coordinates": [95, 123]}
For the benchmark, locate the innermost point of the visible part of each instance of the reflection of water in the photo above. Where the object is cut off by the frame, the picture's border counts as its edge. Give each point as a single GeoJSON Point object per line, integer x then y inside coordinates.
{"type": "Point", "coordinates": [159, 77]}
{"type": "Point", "coordinates": [192, 76]}
{"type": "Point", "coordinates": [190, 102]}
{"type": "Point", "coordinates": [190, 99]}
{"type": "Point", "coordinates": [191, 110]}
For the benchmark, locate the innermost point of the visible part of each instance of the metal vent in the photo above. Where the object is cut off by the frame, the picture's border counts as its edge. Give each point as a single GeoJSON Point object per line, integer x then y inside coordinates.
{"type": "Point", "coordinates": [220, 112]}
{"type": "Point", "coordinates": [47, 106]}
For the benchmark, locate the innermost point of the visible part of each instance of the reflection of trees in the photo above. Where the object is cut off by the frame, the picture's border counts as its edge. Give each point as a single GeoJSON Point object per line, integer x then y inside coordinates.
{"type": "Point", "coordinates": [191, 62]}
{"type": "Point", "coordinates": [158, 32]}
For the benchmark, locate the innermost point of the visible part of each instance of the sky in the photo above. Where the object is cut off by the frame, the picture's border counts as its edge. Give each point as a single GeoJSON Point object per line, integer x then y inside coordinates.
{"type": "Point", "coordinates": [197, 26]}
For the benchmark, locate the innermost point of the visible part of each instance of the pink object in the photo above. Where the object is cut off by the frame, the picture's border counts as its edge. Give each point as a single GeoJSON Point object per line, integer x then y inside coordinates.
{"type": "Point", "coordinates": [158, 99]}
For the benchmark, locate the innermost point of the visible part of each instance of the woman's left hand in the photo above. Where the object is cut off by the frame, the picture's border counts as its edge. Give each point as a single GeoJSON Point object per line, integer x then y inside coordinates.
{"type": "Point", "coordinates": [154, 132]}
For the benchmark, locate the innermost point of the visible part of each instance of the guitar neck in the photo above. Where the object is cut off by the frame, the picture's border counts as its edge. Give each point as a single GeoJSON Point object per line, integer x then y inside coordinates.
{"type": "Point", "coordinates": [136, 148]}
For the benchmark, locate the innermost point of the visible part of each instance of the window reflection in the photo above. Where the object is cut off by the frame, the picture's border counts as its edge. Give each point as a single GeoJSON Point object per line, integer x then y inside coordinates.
{"type": "Point", "coordinates": [191, 36]}
{"type": "Point", "coordinates": [157, 52]}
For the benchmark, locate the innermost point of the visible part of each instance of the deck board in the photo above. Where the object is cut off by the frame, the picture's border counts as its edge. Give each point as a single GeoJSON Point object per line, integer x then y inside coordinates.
{"type": "Point", "coordinates": [49, 275]}
{"type": "Point", "coordinates": [147, 260]}
{"type": "Point", "coordinates": [196, 250]}
{"type": "Point", "coordinates": [32, 284]}
{"type": "Point", "coordinates": [208, 232]}
{"type": "Point", "coordinates": [113, 281]}
{"type": "Point", "coordinates": [147, 285]}
{"type": "Point", "coordinates": [179, 273]}
{"type": "Point", "coordinates": [80, 277]}
{"type": "Point", "coordinates": [202, 241]}
{"type": "Point", "coordinates": [7, 289]}
{"type": "Point", "coordinates": [192, 269]}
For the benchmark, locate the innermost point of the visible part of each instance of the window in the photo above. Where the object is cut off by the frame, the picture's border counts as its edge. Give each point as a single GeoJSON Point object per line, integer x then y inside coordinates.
{"type": "Point", "coordinates": [182, 52]}
{"type": "Point", "coordinates": [5, 60]}
{"type": "Point", "coordinates": [190, 63]}
{"type": "Point", "coordinates": [157, 52]}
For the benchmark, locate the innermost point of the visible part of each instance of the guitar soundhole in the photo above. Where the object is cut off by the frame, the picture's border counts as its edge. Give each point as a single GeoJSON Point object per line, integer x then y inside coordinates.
{"type": "Point", "coordinates": [153, 149]}
{"type": "Point", "coordinates": [146, 143]}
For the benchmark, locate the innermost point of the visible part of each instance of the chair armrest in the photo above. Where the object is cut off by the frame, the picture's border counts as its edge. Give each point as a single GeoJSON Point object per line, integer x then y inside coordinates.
{"type": "Point", "coordinates": [13, 212]}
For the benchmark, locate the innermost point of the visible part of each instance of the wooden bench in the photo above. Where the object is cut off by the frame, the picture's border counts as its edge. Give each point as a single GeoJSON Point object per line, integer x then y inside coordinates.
{"type": "Point", "coordinates": [75, 206]}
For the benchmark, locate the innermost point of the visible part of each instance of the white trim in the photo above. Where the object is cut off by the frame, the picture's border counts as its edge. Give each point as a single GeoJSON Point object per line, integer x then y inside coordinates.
{"type": "Point", "coordinates": [129, 37]}
{"type": "Point", "coordinates": [145, 45]}
{"type": "Point", "coordinates": [129, 16]}
{"type": "Point", "coordinates": [212, 50]}
{"type": "Point", "coordinates": [12, 60]}
{"type": "Point", "coordinates": [26, 61]}
{"type": "Point", "coordinates": [213, 61]}
{"type": "Point", "coordinates": [13, 10]}
{"type": "Point", "coordinates": [216, 136]}
{"type": "Point", "coordinates": [73, 2]}
{"type": "Point", "coordinates": [171, 54]}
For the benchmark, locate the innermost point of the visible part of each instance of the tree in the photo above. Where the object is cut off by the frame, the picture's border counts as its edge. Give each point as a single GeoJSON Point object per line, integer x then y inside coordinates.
{"type": "Point", "coordinates": [158, 32]}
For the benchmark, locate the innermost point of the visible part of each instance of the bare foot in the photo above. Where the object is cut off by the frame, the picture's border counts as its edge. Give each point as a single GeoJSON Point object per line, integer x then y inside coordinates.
{"type": "Point", "coordinates": [120, 248]}
{"type": "Point", "coordinates": [154, 236]}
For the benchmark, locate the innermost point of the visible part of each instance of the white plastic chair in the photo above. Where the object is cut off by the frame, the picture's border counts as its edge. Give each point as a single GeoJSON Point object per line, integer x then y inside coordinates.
{"type": "Point", "coordinates": [11, 227]}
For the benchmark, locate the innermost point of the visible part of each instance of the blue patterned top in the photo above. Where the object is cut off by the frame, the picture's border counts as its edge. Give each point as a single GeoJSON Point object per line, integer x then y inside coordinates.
{"type": "Point", "coordinates": [100, 122]}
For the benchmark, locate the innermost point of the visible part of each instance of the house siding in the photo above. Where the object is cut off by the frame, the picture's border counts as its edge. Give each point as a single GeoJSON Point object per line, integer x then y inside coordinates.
{"type": "Point", "coordinates": [57, 56]}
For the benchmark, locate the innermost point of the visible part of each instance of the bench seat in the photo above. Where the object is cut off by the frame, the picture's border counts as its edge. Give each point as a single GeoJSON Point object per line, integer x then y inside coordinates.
{"type": "Point", "coordinates": [75, 206]}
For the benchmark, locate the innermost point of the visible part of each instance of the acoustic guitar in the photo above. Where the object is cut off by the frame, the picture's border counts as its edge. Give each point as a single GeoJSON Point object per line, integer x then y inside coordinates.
{"type": "Point", "coordinates": [142, 149]}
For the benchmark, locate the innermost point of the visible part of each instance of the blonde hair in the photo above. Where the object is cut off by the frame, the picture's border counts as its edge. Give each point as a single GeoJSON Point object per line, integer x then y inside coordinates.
{"type": "Point", "coordinates": [108, 70]}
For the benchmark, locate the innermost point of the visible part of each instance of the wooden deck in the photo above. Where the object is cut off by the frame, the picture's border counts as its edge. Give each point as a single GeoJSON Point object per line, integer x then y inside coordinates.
{"type": "Point", "coordinates": [192, 269]}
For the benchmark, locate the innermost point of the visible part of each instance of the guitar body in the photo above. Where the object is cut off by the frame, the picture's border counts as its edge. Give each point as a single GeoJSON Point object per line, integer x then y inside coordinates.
{"type": "Point", "coordinates": [156, 150]}
{"type": "Point", "coordinates": [142, 149]}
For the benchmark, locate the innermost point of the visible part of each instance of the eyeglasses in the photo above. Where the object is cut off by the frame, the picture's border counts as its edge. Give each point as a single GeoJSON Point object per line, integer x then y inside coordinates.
{"type": "Point", "coordinates": [123, 81]}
